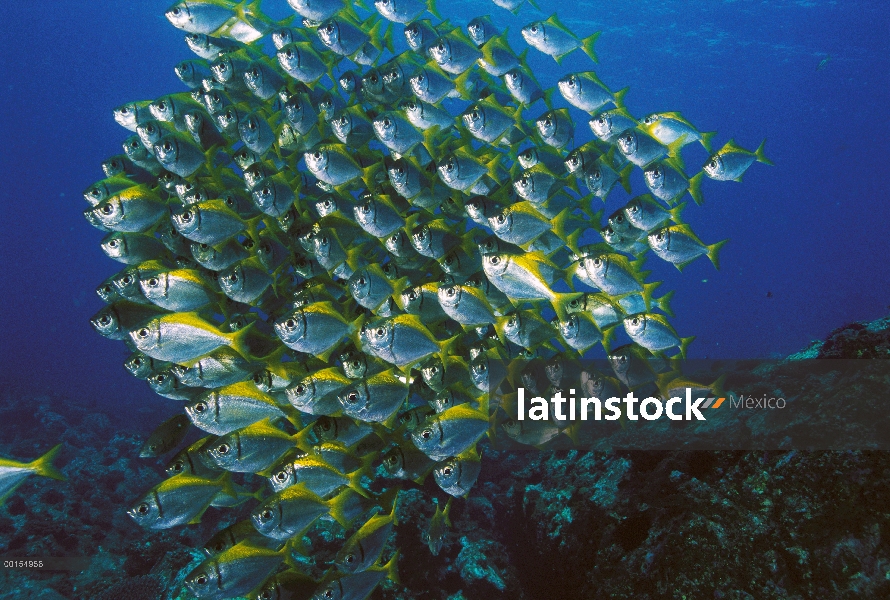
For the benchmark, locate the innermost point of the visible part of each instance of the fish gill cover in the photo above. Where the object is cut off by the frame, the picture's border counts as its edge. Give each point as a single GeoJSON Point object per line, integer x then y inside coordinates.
{"type": "Point", "coordinates": [337, 228]}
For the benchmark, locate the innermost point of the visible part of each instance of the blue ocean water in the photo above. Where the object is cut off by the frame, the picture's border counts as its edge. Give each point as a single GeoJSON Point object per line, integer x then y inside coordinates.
{"type": "Point", "coordinates": [808, 247]}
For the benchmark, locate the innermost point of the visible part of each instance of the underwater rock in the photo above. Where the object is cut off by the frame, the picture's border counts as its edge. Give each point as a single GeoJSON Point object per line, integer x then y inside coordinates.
{"type": "Point", "coordinates": [859, 340]}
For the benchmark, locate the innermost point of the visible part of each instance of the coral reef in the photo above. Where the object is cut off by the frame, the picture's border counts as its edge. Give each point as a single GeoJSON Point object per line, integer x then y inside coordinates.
{"type": "Point", "coordinates": [732, 525]}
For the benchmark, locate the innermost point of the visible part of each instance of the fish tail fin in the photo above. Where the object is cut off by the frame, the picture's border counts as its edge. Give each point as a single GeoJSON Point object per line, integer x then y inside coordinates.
{"type": "Point", "coordinates": [572, 432]}
{"type": "Point", "coordinates": [301, 438]}
{"type": "Point", "coordinates": [684, 345]}
{"type": "Point", "coordinates": [761, 157]}
{"type": "Point", "coordinates": [558, 223]}
{"type": "Point", "coordinates": [446, 514]}
{"type": "Point", "coordinates": [706, 137]}
{"type": "Point", "coordinates": [445, 348]}
{"type": "Point", "coordinates": [560, 300]}
{"type": "Point", "coordinates": [648, 288]}
{"type": "Point", "coordinates": [355, 482]}
{"type": "Point", "coordinates": [548, 97]}
{"type": "Point", "coordinates": [587, 45]}
{"type": "Point", "coordinates": [676, 212]}
{"type": "Point", "coordinates": [225, 480]}
{"type": "Point", "coordinates": [338, 505]}
{"type": "Point", "coordinates": [608, 337]}
{"type": "Point", "coordinates": [292, 415]}
{"type": "Point", "coordinates": [695, 188]}
{"type": "Point", "coordinates": [392, 568]}
{"type": "Point", "coordinates": [388, 41]}
{"type": "Point", "coordinates": [355, 329]}
{"type": "Point", "coordinates": [431, 7]}
{"type": "Point", "coordinates": [664, 303]}
{"type": "Point", "coordinates": [238, 342]}
{"type": "Point", "coordinates": [399, 286]}
{"type": "Point", "coordinates": [508, 402]}
{"type": "Point", "coordinates": [533, 4]}
{"type": "Point", "coordinates": [713, 251]}
{"type": "Point", "coordinates": [718, 387]}
{"type": "Point", "coordinates": [624, 176]}
{"type": "Point", "coordinates": [44, 465]}
{"type": "Point", "coordinates": [572, 243]}
{"type": "Point", "coordinates": [618, 97]}
{"type": "Point", "coordinates": [673, 150]}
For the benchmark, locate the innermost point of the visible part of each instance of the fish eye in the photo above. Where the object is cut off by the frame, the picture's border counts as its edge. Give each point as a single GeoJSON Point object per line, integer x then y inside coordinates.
{"type": "Point", "coordinates": [571, 81]}
{"type": "Point", "coordinates": [352, 397]}
{"type": "Point", "coordinates": [142, 333]}
{"type": "Point", "coordinates": [266, 515]}
{"type": "Point", "coordinates": [534, 29]}
{"type": "Point", "coordinates": [659, 236]}
{"type": "Point", "coordinates": [162, 105]}
{"type": "Point", "coordinates": [176, 12]}
{"type": "Point", "coordinates": [511, 322]}
{"type": "Point", "coordinates": [501, 219]}
{"type": "Point", "coordinates": [548, 122]}
{"type": "Point", "coordinates": [447, 471]}
{"type": "Point", "coordinates": [153, 282]}
{"type": "Point", "coordinates": [495, 260]}
{"type": "Point", "coordinates": [288, 53]}
{"type": "Point", "coordinates": [186, 216]}
{"type": "Point", "coordinates": [223, 449]}
{"type": "Point", "coordinates": [281, 476]}
{"type": "Point", "coordinates": [426, 434]}
{"type": "Point", "coordinates": [290, 323]}
{"type": "Point", "coordinates": [142, 508]}
{"type": "Point", "coordinates": [105, 320]}
{"type": "Point", "coordinates": [107, 209]}
{"type": "Point", "coordinates": [380, 331]}
{"type": "Point", "coordinates": [233, 277]}
{"type": "Point", "coordinates": [328, 594]}
{"type": "Point", "coordinates": [316, 155]}
{"type": "Point", "coordinates": [597, 262]}
{"type": "Point", "coordinates": [440, 47]}
{"type": "Point", "coordinates": [350, 558]}
{"type": "Point", "coordinates": [200, 407]}
{"type": "Point", "coordinates": [656, 172]}
{"type": "Point", "coordinates": [635, 321]}
{"type": "Point", "coordinates": [176, 467]}
{"type": "Point", "coordinates": [255, 72]}
{"type": "Point", "coordinates": [366, 207]}
{"type": "Point", "coordinates": [451, 291]}
{"type": "Point", "coordinates": [713, 164]}
{"type": "Point", "coordinates": [411, 296]}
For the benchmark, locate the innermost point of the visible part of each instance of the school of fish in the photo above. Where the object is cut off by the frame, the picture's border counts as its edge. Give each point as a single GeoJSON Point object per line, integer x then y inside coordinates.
{"type": "Point", "coordinates": [335, 236]}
